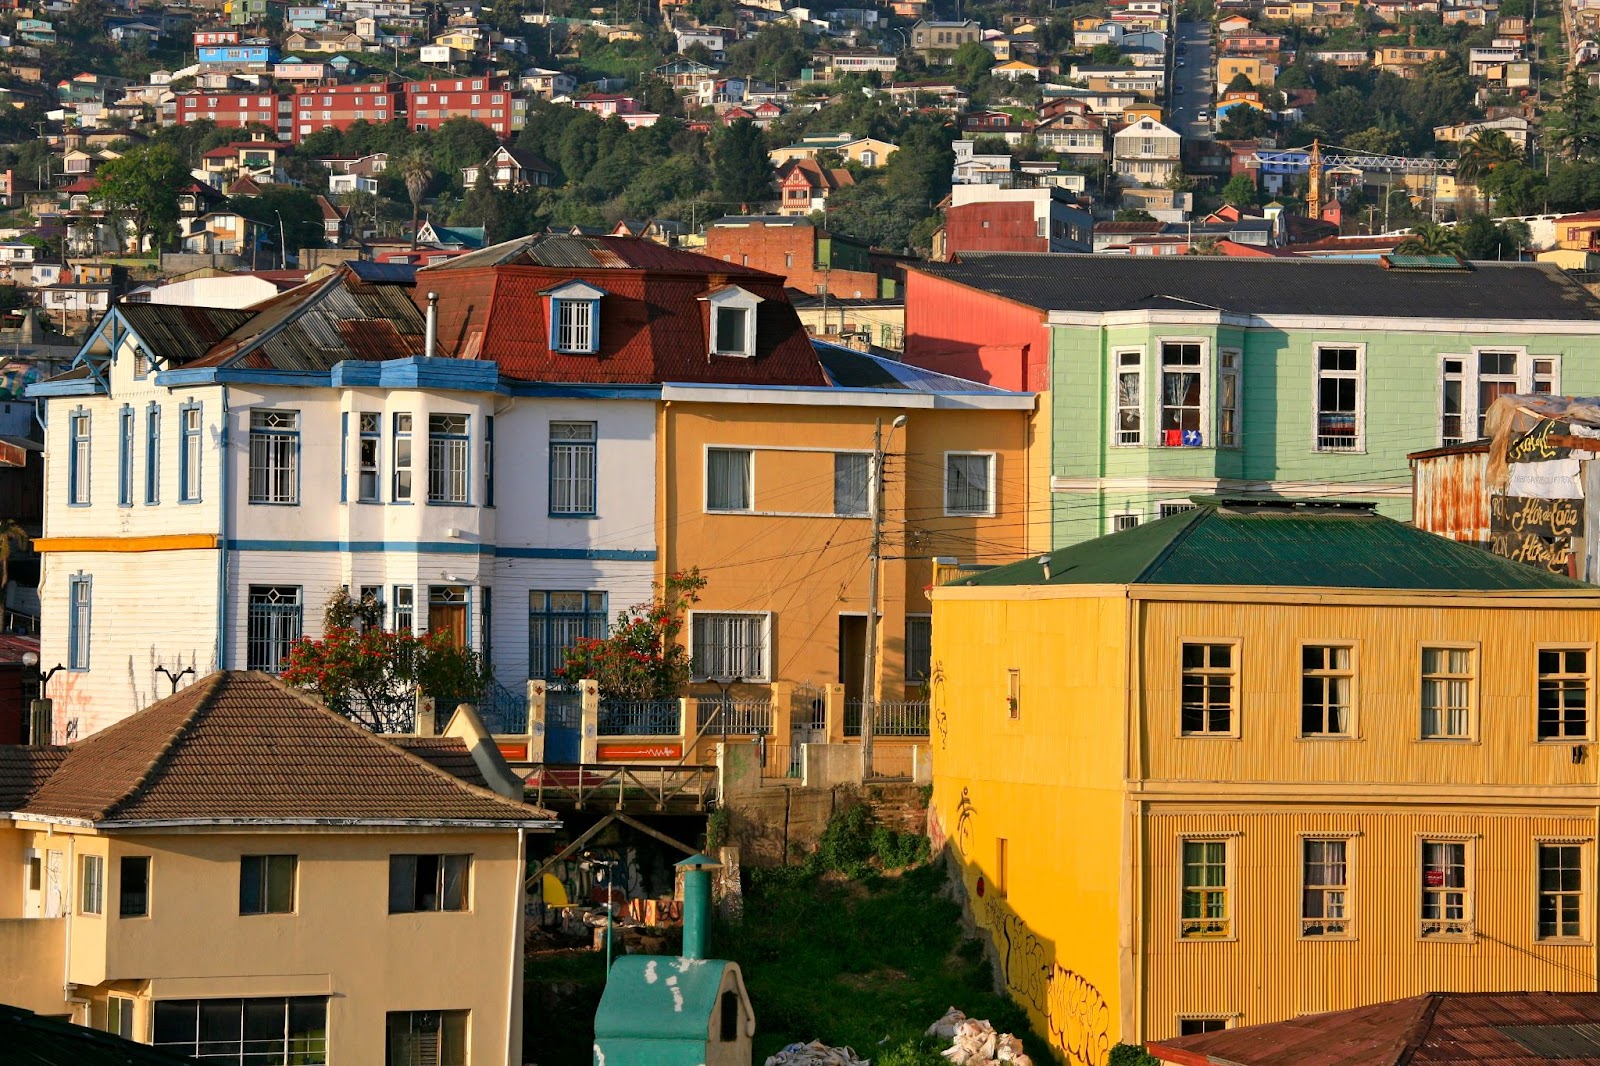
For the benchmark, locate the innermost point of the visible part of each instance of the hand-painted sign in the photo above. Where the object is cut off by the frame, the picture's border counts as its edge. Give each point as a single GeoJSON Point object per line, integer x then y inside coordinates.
{"type": "Point", "coordinates": [1547, 553]}
{"type": "Point", "coordinates": [636, 752]}
{"type": "Point", "coordinates": [1544, 518]}
{"type": "Point", "coordinates": [1537, 445]}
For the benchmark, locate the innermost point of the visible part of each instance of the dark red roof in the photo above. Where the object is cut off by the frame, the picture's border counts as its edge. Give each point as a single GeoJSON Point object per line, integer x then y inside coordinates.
{"type": "Point", "coordinates": [1498, 1028]}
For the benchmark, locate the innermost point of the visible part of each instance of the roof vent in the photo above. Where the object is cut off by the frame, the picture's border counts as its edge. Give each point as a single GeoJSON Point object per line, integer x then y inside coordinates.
{"type": "Point", "coordinates": [1044, 564]}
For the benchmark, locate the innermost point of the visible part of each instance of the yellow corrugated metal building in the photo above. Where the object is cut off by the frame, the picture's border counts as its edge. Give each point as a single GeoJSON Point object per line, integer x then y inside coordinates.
{"type": "Point", "coordinates": [1259, 760]}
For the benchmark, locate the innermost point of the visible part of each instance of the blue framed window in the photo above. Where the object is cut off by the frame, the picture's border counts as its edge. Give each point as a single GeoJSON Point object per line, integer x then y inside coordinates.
{"type": "Point", "coordinates": [368, 481]}
{"type": "Point", "coordinates": [189, 416]}
{"type": "Point", "coordinates": [572, 469]}
{"type": "Point", "coordinates": [344, 456]}
{"type": "Point", "coordinates": [80, 598]}
{"type": "Point", "coordinates": [274, 456]}
{"type": "Point", "coordinates": [401, 493]}
{"type": "Point", "coordinates": [152, 458]}
{"type": "Point", "coordinates": [574, 316]}
{"type": "Point", "coordinates": [488, 460]}
{"type": "Point", "coordinates": [78, 459]}
{"type": "Point", "coordinates": [449, 459]}
{"type": "Point", "coordinates": [557, 621]}
{"type": "Point", "coordinates": [125, 457]}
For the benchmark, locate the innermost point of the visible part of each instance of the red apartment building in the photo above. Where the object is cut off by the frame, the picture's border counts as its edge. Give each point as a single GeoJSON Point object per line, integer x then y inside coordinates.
{"type": "Point", "coordinates": [234, 109]}
{"type": "Point", "coordinates": [798, 251]}
{"type": "Point", "coordinates": [337, 106]}
{"type": "Point", "coordinates": [492, 101]}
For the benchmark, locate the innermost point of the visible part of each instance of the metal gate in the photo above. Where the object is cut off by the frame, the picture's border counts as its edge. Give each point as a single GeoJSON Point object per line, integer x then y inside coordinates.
{"type": "Point", "coordinates": [563, 727]}
{"type": "Point", "coordinates": [808, 722]}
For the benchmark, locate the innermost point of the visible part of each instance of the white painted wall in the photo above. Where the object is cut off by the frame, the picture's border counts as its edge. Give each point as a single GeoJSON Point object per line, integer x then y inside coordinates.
{"type": "Point", "coordinates": [231, 290]}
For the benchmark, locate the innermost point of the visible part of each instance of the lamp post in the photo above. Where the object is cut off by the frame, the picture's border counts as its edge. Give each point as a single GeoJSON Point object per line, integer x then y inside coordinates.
{"type": "Point", "coordinates": [591, 861]}
{"type": "Point", "coordinates": [174, 678]}
{"type": "Point", "coordinates": [283, 244]}
{"type": "Point", "coordinates": [40, 730]}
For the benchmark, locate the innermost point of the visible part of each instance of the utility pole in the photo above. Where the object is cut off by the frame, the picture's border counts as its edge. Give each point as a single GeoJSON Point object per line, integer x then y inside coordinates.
{"type": "Point", "coordinates": [869, 683]}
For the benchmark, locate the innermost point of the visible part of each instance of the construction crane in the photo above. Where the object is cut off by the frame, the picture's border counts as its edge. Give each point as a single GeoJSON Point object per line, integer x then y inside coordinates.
{"type": "Point", "coordinates": [1314, 161]}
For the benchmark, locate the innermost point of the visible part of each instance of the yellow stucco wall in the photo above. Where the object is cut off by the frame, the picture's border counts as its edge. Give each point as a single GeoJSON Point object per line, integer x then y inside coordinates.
{"type": "Point", "coordinates": [339, 942]}
{"type": "Point", "coordinates": [1092, 788]}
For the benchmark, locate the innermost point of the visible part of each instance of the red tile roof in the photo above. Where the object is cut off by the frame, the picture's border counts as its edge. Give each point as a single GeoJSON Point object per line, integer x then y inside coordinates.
{"type": "Point", "coordinates": [1498, 1028]}
{"type": "Point", "coordinates": [238, 746]}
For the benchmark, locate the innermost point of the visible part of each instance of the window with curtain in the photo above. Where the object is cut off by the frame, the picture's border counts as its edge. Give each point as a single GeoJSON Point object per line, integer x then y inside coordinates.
{"type": "Point", "coordinates": [1206, 911]}
{"type": "Point", "coordinates": [1327, 684]}
{"type": "Point", "coordinates": [851, 474]}
{"type": "Point", "coordinates": [1182, 391]}
{"type": "Point", "coordinates": [428, 883]}
{"type": "Point", "coordinates": [426, 1038]}
{"type": "Point", "coordinates": [1446, 898]}
{"type": "Point", "coordinates": [1338, 399]}
{"type": "Point", "coordinates": [1447, 679]}
{"type": "Point", "coordinates": [1497, 377]}
{"type": "Point", "coordinates": [968, 484]}
{"type": "Point", "coordinates": [274, 456]}
{"type": "Point", "coordinates": [728, 479]}
{"type": "Point", "coordinates": [448, 464]}
{"type": "Point", "coordinates": [1130, 398]}
{"type": "Point", "coordinates": [1325, 887]}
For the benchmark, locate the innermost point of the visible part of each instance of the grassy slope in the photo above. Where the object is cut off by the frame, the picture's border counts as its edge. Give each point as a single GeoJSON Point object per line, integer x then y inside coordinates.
{"type": "Point", "coordinates": [869, 963]}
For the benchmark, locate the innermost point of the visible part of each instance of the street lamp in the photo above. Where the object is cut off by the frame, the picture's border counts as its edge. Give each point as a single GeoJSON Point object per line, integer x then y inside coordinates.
{"type": "Point", "coordinates": [607, 877]}
{"type": "Point", "coordinates": [40, 730]}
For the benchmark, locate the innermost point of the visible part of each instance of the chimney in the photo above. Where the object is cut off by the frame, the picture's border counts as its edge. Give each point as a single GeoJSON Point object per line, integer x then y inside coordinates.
{"type": "Point", "coordinates": [697, 904]}
{"type": "Point", "coordinates": [431, 329]}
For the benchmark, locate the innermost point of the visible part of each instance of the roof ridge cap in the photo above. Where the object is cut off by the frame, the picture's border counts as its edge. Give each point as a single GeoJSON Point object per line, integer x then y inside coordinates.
{"type": "Point", "coordinates": [143, 781]}
{"type": "Point", "coordinates": [1416, 1033]}
{"type": "Point", "coordinates": [1198, 514]}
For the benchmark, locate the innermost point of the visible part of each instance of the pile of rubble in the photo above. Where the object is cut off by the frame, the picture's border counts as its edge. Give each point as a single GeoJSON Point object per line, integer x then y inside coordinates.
{"type": "Point", "coordinates": [975, 1043]}
{"type": "Point", "coordinates": [817, 1053]}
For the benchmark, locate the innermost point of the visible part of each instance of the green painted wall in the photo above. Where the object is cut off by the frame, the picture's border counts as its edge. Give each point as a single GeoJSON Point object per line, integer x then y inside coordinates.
{"type": "Point", "coordinates": [1401, 402]}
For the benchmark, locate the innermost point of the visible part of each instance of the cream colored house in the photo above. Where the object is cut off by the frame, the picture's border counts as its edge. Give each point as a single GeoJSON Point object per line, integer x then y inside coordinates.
{"type": "Point", "coordinates": [236, 869]}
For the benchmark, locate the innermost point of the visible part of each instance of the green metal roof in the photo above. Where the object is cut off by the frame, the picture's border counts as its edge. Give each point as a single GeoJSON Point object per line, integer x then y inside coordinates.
{"type": "Point", "coordinates": [1271, 542]}
{"type": "Point", "coordinates": [659, 998]}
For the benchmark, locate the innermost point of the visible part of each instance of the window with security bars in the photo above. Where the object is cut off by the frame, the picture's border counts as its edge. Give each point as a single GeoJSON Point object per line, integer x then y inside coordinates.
{"type": "Point", "coordinates": [1327, 683]}
{"type": "Point", "coordinates": [556, 622]}
{"type": "Point", "coordinates": [1560, 891]}
{"type": "Point", "coordinates": [1130, 398]}
{"type": "Point", "coordinates": [575, 325]}
{"type": "Point", "coordinates": [274, 622]}
{"type": "Point", "coordinates": [1447, 680]}
{"type": "Point", "coordinates": [1205, 910]}
{"type": "Point", "coordinates": [274, 456]}
{"type": "Point", "coordinates": [919, 646]}
{"type": "Point", "coordinates": [92, 885]}
{"type": "Point", "coordinates": [247, 1032]}
{"type": "Point", "coordinates": [405, 610]}
{"type": "Point", "coordinates": [730, 646]}
{"type": "Point", "coordinates": [572, 468]}
{"type": "Point", "coordinates": [1206, 691]}
{"type": "Point", "coordinates": [1123, 522]}
{"type": "Point", "coordinates": [1338, 399]}
{"type": "Point", "coordinates": [426, 1038]}
{"type": "Point", "coordinates": [851, 474]}
{"type": "Point", "coordinates": [1325, 888]}
{"type": "Point", "coordinates": [447, 459]}
{"type": "Point", "coordinates": [1182, 389]}
{"type": "Point", "coordinates": [369, 453]}
{"type": "Point", "coordinates": [1563, 693]}
{"type": "Point", "coordinates": [968, 484]}
{"type": "Point", "coordinates": [1446, 898]}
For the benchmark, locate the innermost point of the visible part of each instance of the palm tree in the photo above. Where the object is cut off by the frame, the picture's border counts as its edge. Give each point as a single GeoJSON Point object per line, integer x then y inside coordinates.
{"type": "Point", "coordinates": [1430, 238]}
{"type": "Point", "coordinates": [1482, 152]}
{"type": "Point", "coordinates": [416, 169]}
{"type": "Point", "coordinates": [12, 536]}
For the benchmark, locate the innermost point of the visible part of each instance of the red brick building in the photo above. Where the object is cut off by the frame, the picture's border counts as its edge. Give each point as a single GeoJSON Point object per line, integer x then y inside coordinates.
{"type": "Point", "coordinates": [797, 250]}
{"type": "Point", "coordinates": [335, 107]}
{"type": "Point", "coordinates": [234, 109]}
{"type": "Point", "coordinates": [491, 101]}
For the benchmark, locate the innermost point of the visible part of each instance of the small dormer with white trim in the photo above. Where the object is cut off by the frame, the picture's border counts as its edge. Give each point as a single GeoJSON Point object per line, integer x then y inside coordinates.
{"type": "Point", "coordinates": [733, 321]}
{"type": "Point", "coordinates": [573, 311]}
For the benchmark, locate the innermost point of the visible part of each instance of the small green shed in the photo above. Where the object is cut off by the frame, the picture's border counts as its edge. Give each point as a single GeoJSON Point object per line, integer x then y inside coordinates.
{"type": "Point", "coordinates": [669, 1011]}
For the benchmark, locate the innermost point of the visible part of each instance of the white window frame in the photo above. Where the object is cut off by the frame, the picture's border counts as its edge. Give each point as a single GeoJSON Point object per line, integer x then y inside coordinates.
{"type": "Point", "coordinates": [1203, 370]}
{"type": "Point", "coordinates": [732, 298]}
{"type": "Point", "coordinates": [1466, 415]}
{"type": "Point", "coordinates": [1471, 378]}
{"type": "Point", "coordinates": [1172, 507]}
{"type": "Point", "coordinates": [1359, 444]}
{"type": "Point", "coordinates": [697, 618]}
{"type": "Point", "coordinates": [992, 493]}
{"type": "Point", "coordinates": [1236, 372]}
{"type": "Point", "coordinates": [750, 481]}
{"type": "Point", "coordinates": [1116, 517]}
{"type": "Point", "coordinates": [1464, 928]}
{"type": "Point", "coordinates": [1137, 372]}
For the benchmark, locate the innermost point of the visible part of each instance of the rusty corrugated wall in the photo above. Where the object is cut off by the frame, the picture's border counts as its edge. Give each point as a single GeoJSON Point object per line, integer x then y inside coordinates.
{"type": "Point", "coordinates": [1450, 494]}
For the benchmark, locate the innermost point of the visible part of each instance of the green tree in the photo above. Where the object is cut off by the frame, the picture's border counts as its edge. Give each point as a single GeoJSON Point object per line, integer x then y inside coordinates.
{"type": "Point", "coordinates": [739, 163]}
{"type": "Point", "coordinates": [1481, 153]}
{"type": "Point", "coordinates": [1240, 191]}
{"type": "Point", "coordinates": [1240, 84]}
{"type": "Point", "coordinates": [460, 142]}
{"type": "Point", "coordinates": [416, 170]}
{"type": "Point", "coordinates": [1105, 55]}
{"type": "Point", "coordinates": [1574, 125]}
{"type": "Point", "coordinates": [1241, 122]}
{"type": "Point", "coordinates": [143, 186]}
{"type": "Point", "coordinates": [1133, 214]}
{"type": "Point", "coordinates": [641, 658]}
{"type": "Point", "coordinates": [970, 63]}
{"type": "Point", "coordinates": [300, 216]}
{"type": "Point", "coordinates": [919, 172]}
{"type": "Point", "coordinates": [1430, 238]}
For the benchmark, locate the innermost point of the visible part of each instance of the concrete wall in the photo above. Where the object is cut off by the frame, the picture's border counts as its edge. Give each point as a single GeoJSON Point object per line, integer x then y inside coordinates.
{"type": "Point", "coordinates": [779, 826]}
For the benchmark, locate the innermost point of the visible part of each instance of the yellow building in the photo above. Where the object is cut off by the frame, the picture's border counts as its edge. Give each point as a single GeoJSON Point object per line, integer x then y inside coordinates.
{"type": "Point", "coordinates": [768, 492]}
{"type": "Point", "coordinates": [237, 870]}
{"type": "Point", "coordinates": [1259, 760]}
{"type": "Point", "coordinates": [1261, 72]}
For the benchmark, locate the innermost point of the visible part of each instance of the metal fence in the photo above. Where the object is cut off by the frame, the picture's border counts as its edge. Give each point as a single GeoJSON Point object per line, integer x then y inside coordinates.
{"type": "Point", "coordinates": [891, 718]}
{"type": "Point", "coordinates": [638, 718]}
{"type": "Point", "coordinates": [504, 711]}
{"type": "Point", "coordinates": [739, 717]}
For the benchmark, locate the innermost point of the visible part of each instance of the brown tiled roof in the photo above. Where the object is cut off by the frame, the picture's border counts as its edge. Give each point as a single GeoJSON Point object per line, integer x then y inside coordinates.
{"type": "Point", "coordinates": [449, 754]}
{"type": "Point", "coordinates": [1503, 1028]}
{"type": "Point", "coordinates": [240, 745]}
{"type": "Point", "coordinates": [23, 770]}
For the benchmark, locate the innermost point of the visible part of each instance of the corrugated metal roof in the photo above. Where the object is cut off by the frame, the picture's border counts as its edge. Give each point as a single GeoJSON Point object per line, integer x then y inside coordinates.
{"type": "Point", "coordinates": [850, 369]}
{"type": "Point", "coordinates": [1291, 544]}
{"type": "Point", "coordinates": [391, 273]}
{"type": "Point", "coordinates": [178, 334]}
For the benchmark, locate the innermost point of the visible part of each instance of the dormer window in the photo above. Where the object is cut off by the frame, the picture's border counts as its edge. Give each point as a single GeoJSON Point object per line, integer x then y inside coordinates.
{"type": "Point", "coordinates": [733, 321]}
{"type": "Point", "coordinates": [574, 312]}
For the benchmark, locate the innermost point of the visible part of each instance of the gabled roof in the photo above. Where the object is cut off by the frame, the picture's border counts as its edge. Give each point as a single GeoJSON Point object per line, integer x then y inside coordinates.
{"type": "Point", "coordinates": [243, 747]}
{"type": "Point", "coordinates": [1100, 283]}
{"type": "Point", "coordinates": [178, 334]}
{"type": "Point", "coordinates": [1284, 543]}
{"type": "Point", "coordinates": [1503, 1028]}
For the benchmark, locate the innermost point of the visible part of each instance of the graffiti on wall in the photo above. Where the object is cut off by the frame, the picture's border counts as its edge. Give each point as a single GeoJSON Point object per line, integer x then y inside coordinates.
{"type": "Point", "coordinates": [579, 877]}
{"type": "Point", "coordinates": [941, 721]}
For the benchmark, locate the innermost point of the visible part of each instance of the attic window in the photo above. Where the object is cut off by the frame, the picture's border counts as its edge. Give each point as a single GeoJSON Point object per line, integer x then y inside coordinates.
{"type": "Point", "coordinates": [733, 321]}
{"type": "Point", "coordinates": [574, 316]}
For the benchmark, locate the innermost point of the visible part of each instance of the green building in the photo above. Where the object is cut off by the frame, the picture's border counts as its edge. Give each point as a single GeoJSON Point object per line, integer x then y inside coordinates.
{"type": "Point", "coordinates": [1172, 376]}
